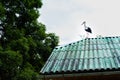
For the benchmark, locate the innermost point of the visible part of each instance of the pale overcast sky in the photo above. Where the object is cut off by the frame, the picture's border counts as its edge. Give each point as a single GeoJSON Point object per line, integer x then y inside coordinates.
{"type": "Point", "coordinates": [64, 18]}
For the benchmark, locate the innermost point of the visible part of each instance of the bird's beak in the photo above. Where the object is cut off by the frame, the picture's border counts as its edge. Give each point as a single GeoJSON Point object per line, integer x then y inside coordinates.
{"type": "Point", "coordinates": [83, 23]}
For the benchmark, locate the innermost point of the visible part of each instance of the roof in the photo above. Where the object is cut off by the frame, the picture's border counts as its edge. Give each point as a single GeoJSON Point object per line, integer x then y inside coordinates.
{"type": "Point", "coordinates": [87, 55]}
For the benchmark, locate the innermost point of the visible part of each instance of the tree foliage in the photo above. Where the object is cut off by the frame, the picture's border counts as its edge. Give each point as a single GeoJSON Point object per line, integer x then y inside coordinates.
{"type": "Point", "coordinates": [24, 43]}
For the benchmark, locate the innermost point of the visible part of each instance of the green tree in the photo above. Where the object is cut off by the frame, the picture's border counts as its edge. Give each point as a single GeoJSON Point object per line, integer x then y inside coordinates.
{"type": "Point", "coordinates": [9, 64]}
{"type": "Point", "coordinates": [24, 43]}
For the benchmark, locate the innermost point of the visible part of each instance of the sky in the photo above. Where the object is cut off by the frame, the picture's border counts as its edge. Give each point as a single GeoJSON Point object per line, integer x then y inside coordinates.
{"type": "Point", "coordinates": [64, 18]}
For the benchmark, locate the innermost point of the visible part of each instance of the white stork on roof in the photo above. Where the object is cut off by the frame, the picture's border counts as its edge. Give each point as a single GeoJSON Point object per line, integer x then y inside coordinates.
{"type": "Point", "coordinates": [87, 29]}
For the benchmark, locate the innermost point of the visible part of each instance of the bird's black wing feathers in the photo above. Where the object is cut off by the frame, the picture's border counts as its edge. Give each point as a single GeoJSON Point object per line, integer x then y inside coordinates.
{"type": "Point", "coordinates": [88, 30]}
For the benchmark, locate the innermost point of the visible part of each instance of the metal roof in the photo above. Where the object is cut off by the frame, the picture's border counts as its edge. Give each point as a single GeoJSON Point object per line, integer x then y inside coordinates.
{"type": "Point", "coordinates": [92, 54]}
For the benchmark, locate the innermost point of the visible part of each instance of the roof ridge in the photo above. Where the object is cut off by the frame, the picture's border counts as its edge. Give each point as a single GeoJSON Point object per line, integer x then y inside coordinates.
{"type": "Point", "coordinates": [61, 46]}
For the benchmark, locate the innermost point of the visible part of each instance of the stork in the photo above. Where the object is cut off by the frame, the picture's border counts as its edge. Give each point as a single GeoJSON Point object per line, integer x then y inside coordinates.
{"type": "Point", "coordinates": [87, 29]}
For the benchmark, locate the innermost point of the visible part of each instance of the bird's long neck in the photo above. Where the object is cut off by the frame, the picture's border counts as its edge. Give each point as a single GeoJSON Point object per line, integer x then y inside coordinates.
{"type": "Point", "coordinates": [85, 26]}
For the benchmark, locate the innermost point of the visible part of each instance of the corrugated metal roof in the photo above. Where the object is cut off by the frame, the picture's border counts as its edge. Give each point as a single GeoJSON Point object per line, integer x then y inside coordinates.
{"type": "Point", "coordinates": [92, 54]}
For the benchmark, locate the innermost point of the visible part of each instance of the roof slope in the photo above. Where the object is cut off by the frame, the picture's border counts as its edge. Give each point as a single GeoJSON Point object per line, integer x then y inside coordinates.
{"type": "Point", "coordinates": [92, 54]}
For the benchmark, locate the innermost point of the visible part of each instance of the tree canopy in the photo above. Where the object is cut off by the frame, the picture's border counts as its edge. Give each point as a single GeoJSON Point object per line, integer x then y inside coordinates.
{"type": "Point", "coordinates": [24, 43]}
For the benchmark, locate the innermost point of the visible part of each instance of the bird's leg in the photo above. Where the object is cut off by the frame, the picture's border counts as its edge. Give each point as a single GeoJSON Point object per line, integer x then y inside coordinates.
{"type": "Point", "coordinates": [87, 36]}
